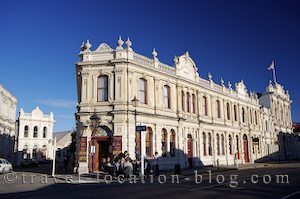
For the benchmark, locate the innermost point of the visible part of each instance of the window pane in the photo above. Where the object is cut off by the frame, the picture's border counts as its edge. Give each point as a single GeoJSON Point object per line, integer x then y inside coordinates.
{"type": "Point", "coordinates": [166, 97]}
{"type": "Point", "coordinates": [102, 88]}
{"type": "Point", "coordinates": [143, 90]}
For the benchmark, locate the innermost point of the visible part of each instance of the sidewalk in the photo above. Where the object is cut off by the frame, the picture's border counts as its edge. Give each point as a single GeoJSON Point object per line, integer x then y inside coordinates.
{"type": "Point", "coordinates": [96, 178]}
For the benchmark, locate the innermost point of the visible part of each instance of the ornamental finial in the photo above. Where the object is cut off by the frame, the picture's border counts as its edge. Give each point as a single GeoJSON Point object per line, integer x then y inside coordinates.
{"type": "Point", "coordinates": [209, 76]}
{"type": "Point", "coordinates": [120, 43]}
{"type": "Point", "coordinates": [128, 43]}
{"type": "Point", "coordinates": [87, 45]}
{"type": "Point", "coordinates": [154, 53]}
{"type": "Point", "coordinates": [222, 82]}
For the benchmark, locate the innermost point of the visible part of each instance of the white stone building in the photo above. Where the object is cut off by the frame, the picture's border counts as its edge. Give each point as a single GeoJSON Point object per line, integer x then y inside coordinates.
{"type": "Point", "coordinates": [34, 137]}
{"type": "Point", "coordinates": [190, 121]}
{"type": "Point", "coordinates": [8, 104]}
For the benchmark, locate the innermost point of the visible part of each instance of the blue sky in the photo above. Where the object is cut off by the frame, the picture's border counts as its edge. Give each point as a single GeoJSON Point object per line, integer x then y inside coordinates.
{"type": "Point", "coordinates": [234, 40]}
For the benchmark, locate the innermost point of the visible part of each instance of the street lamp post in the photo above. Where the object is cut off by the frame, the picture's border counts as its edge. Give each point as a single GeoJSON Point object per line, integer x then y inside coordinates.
{"type": "Point", "coordinates": [95, 123]}
{"type": "Point", "coordinates": [53, 141]}
{"type": "Point", "coordinates": [135, 102]}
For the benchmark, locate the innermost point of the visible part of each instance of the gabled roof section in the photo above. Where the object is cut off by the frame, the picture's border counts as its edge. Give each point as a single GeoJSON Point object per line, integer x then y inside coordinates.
{"type": "Point", "coordinates": [186, 67]}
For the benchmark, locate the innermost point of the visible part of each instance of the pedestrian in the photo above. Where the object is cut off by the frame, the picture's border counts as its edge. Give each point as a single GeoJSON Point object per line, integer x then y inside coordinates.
{"type": "Point", "coordinates": [147, 167]}
{"type": "Point", "coordinates": [103, 164]}
{"type": "Point", "coordinates": [128, 168]}
{"type": "Point", "coordinates": [156, 166]}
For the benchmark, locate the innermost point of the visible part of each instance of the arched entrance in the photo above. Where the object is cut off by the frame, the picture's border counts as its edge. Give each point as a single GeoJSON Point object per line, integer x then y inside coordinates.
{"type": "Point", "coordinates": [246, 151]}
{"type": "Point", "coordinates": [190, 149]}
{"type": "Point", "coordinates": [100, 147]}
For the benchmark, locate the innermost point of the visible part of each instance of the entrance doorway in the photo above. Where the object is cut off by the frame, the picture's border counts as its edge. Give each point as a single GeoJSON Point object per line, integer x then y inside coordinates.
{"type": "Point", "coordinates": [102, 151]}
{"type": "Point", "coordinates": [190, 149]}
{"type": "Point", "coordinates": [246, 151]}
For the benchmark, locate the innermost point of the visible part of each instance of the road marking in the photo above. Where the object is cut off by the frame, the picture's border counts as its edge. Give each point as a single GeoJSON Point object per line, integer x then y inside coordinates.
{"type": "Point", "coordinates": [292, 194]}
{"type": "Point", "coordinates": [207, 187]}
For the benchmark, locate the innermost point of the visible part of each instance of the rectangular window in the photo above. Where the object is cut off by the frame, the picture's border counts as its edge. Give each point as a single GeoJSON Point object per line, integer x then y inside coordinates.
{"type": "Point", "coordinates": [167, 103]}
{"type": "Point", "coordinates": [204, 106]}
{"type": "Point", "coordinates": [143, 91]}
{"type": "Point", "coordinates": [193, 103]}
{"type": "Point", "coordinates": [103, 88]}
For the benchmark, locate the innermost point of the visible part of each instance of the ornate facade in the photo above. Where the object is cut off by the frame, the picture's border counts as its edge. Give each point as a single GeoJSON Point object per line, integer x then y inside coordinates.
{"type": "Point", "coordinates": [8, 105]}
{"type": "Point", "coordinates": [34, 138]}
{"type": "Point", "coordinates": [189, 120]}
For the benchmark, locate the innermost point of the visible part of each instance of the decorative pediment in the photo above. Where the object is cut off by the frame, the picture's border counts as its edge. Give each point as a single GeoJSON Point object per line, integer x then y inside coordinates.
{"type": "Point", "coordinates": [37, 112]}
{"type": "Point", "coordinates": [104, 47]}
{"type": "Point", "coordinates": [186, 67]}
{"type": "Point", "coordinates": [241, 89]}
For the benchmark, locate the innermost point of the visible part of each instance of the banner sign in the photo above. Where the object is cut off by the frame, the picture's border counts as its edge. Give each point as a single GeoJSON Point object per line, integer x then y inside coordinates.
{"type": "Point", "coordinates": [82, 149]}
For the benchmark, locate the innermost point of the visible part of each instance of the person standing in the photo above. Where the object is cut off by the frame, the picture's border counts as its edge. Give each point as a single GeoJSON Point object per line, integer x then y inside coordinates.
{"type": "Point", "coordinates": [155, 164]}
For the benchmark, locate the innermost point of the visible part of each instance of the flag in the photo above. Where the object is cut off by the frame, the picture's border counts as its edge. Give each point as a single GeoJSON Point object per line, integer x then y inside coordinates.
{"type": "Point", "coordinates": [272, 66]}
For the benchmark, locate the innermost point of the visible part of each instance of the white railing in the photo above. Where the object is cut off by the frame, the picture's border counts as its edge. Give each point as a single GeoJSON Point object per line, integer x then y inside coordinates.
{"type": "Point", "coordinates": [142, 60]}
{"type": "Point", "coordinates": [150, 63]}
{"type": "Point", "coordinates": [166, 68]}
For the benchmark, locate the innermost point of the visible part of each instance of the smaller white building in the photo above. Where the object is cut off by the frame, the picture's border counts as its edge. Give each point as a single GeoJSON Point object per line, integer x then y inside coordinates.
{"type": "Point", "coordinates": [35, 135]}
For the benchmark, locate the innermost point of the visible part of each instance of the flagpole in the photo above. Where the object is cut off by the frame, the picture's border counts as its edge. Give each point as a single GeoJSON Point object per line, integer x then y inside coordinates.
{"type": "Point", "coordinates": [274, 75]}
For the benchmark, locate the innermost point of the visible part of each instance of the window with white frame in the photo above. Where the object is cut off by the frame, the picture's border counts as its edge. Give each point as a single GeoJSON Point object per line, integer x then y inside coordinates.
{"type": "Point", "coordinates": [143, 90]}
{"type": "Point", "coordinates": [167, 99]}
{"type": "Point", "coordinates": [103, 88]}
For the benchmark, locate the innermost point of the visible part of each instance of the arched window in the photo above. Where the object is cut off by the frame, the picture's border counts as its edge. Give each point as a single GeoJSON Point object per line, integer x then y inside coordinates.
{"type": "Point", "coordinates": [167, 95]}
{"type": "Point", "coordinates": [172, 142]}
{"type": "Point", "coordinates": [26, 131]}
{"type": "Point", "coordinates": [230, 144]}
{"type": "Point", "coordinates": [204, 106]}
{"type": "Point", "coordinates": [35, 132]}
{"type": "Point", "coordinates": [228, 111]}
{"type": "Point", "coordinates": [45, 132]}
{"type": "Point", "coordinates": [218, 144]}
{"type": "Point", "coordinates": [218, 109]}
{"type": "Point", "coordinates": [164, 142]}
{"type": "Point", "coordinates": [209, 144]}
{"type": "Point", "coordinates": [25, 152]}
{"type": "Point", "coordinates": [34, 152]}
{"type": "Point", "coordinates": [223, 144]}
{"type": "Point", "coordinates": [149, 136]}
{"type": "Point", "coordinates": [255, 113]}
{"type": "Point", "coordinates": [188, 102]}
{"type": "Point", "coordinates": [243, 114]}
{"type": "Point", "coordinates": [204, 143]}
{"type": "Point", "coordinates": [103, 88]}
{"type": "Point", "coordinates": [137, 145]}
{"type": "Point", "coordinates": [143, 91]}
{"type": "Point", "coordinates": [235, 113]}
{"type": "Point", "coordinates": [193, 104]}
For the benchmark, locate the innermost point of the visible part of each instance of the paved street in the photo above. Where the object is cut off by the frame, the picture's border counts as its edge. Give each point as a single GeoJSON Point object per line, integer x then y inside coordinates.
{"type": "Point", "coordinates": [214, 185]}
